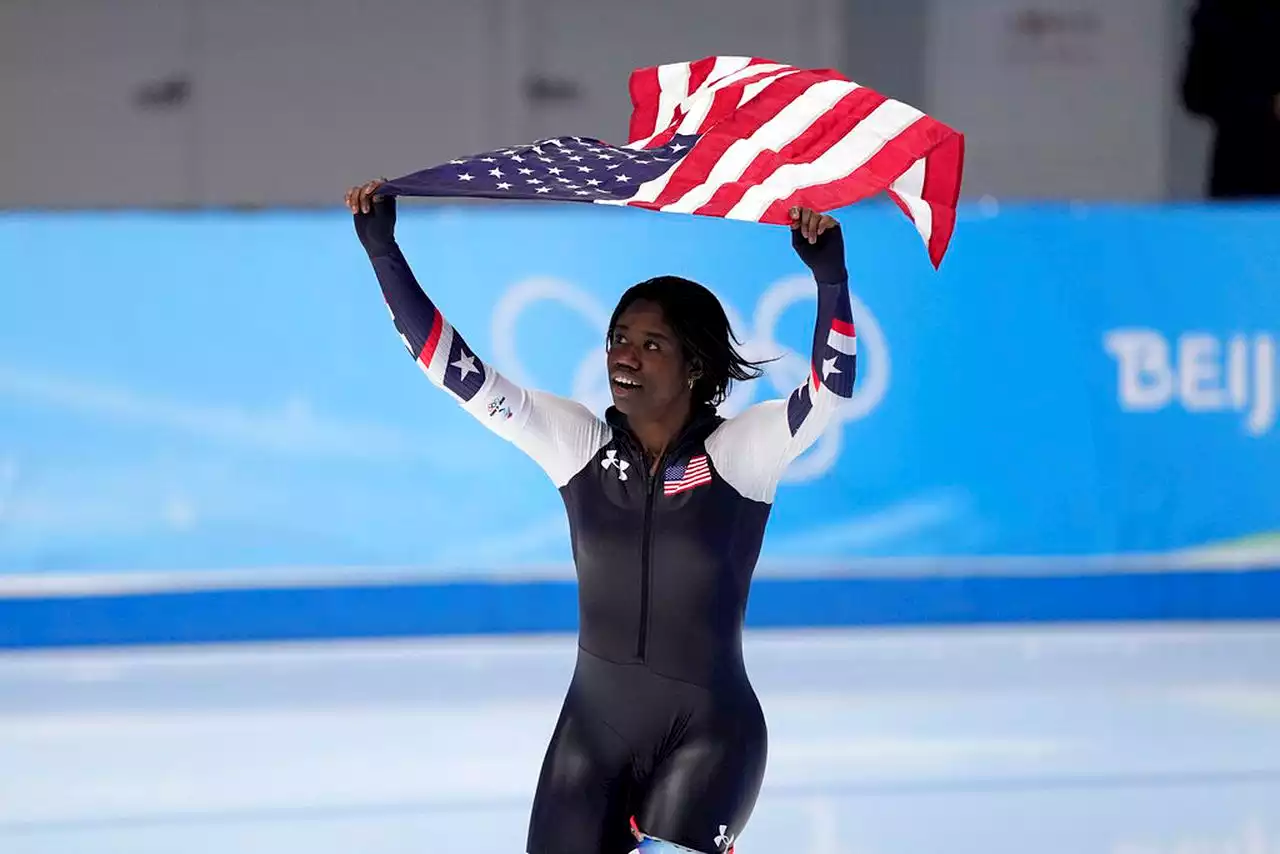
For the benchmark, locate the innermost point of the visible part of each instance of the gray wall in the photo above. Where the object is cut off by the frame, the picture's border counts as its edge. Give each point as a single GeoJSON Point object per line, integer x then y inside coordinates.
{"type": "Point", "coordinates": [889, 45]}
{"type": "Point", "coordinates": [1187, 138]}
{"type": "Point", "coordinates": [243, 102]}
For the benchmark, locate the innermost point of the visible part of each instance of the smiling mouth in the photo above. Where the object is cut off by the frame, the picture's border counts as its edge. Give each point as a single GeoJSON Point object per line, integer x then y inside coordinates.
{"type": "Point", "coordinates": [622, 382]}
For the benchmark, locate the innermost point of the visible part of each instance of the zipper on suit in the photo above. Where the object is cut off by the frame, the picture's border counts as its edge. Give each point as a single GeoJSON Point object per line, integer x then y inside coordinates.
{"type": "Point", "coordinates": [646, 558]}
{"type": "Point", "coordinates": [674, 449]}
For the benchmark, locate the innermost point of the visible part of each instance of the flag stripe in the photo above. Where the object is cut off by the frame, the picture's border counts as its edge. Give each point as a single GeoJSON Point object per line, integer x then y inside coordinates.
{"type": "Point", "coordinates": [647, 192]}
{"type": "Point", "coordinates": [644, 101]}
{"type": "Point", "coordinates": [754, 87]}
{"type": "Point", "coordinates": [720, 99]}
{"type": "Point", "coordinates": [942, 191]}
{"type": "Point", "coordinates": [908, 192]}
{"type": "Point", "coordinates": [773, 120]}
{"type": "Point", "coordinates": [717, 155]}
{"type": "Point", "coordinates": [827, 130]}
{"type": "Point", "coordinates": [843, 160]}
{"type": "Point", "coordinates": [727, 69]}
{"type": "Point", "coordinates": [884, 166]}
{"type": "Point", "coordinates": [844, 327]}
{"type": "Point", "coordinates": [673, 88]}
{"type": "Point", "coordinates": [728, 91]}
{"type": "Point", "coordinates": [700, 70]}
{"type": "Point", "coordinates": [664, 136]}
{"type": "Point", "coordinates": [656, 95]}
{"type": "Point", "coordinates": [725, 94]}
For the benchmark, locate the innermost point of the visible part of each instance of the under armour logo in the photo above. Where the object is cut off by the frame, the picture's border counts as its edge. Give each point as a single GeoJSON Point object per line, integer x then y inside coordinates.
{"type": "Point", "coordinates": [611, 459]}
{"type": "Point", "coordinates": [724, 841]}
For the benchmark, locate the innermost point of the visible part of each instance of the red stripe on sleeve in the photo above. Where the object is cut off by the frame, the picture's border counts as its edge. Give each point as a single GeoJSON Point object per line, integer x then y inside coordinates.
{"type": "Point", "coordinates": [433, 340]}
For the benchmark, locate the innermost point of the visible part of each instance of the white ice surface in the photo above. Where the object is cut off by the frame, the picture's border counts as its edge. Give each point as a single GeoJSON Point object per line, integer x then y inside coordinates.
{"type": "Point", "coordinates": [1132, 740]}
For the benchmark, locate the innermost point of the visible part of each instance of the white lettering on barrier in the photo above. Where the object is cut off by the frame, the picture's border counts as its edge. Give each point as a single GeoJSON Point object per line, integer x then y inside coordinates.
{"type": "Point", "coordinates": [1200, 371]}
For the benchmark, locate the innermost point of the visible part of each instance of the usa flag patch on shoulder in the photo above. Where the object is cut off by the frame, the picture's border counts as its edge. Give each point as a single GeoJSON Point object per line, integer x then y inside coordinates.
{"type": "Point", "coordinates": [683, 476]}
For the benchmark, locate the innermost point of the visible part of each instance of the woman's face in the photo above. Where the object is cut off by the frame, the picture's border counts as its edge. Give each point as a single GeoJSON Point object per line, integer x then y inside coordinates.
{"type": "Point", "coordinates": [648, 373]}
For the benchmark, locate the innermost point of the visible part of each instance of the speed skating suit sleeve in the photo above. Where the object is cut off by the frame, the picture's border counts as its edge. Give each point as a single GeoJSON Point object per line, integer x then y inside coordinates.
{"type": "Point", "coordinates": [559, 434]}
{"type": "Point", "coordinates": [752, 450]}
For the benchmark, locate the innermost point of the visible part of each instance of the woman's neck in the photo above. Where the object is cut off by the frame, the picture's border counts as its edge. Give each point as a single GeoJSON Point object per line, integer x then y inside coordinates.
{"type": "Point", "coordinates": [656, 434]}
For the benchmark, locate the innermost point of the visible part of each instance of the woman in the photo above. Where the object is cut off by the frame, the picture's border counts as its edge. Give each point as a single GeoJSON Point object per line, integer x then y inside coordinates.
{"type": "Point", "coordinates": [661, 739]}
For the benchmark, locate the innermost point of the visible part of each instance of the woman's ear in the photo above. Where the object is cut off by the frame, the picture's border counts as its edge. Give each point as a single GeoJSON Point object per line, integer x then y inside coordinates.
{"type": "Point", "coordinates": [695, 372]}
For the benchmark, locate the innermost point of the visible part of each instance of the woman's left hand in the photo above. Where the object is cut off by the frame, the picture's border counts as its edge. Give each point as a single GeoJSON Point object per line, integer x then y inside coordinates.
{"type": "Point", "coordinates": [811, 224]}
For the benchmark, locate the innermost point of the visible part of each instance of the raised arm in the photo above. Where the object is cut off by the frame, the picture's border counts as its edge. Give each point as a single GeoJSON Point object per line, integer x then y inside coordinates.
{"type": "Point", "coordinates": [752, 450]}
{"type": "Point", "coordinates": [560, 435]}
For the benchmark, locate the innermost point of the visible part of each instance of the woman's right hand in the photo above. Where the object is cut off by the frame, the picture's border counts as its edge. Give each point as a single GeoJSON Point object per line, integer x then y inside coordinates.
{"type": "Point", "coordinates": [360, 198]}
{"type": "Point", "coordinates": [817, 239]}
{"type": "Point", "coordinates": [375, 217]}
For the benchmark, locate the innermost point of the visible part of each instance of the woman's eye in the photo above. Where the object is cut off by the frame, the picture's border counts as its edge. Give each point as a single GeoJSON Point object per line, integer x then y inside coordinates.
{"type": "Point", "coordinates": [652, 345]}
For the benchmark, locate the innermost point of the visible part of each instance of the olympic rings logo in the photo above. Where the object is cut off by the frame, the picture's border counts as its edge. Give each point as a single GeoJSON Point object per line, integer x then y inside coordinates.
{"type": "Point", "coordinates": [589, 383]}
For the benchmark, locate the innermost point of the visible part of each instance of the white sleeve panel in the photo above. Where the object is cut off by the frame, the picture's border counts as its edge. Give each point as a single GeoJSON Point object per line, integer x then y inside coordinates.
{"type": "Point", "coordinates": [752, 450]}
{"type": "Point", "coordinates": [559, 434]}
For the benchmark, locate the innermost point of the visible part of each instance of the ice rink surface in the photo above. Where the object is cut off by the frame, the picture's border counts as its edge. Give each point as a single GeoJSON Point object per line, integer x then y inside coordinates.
{"type": "Point", "coordinates": [1133, 740]}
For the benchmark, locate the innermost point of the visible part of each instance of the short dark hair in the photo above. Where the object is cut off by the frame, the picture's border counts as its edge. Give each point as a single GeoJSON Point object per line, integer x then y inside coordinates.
{"type": "Point", "coordinates": [706, 336]}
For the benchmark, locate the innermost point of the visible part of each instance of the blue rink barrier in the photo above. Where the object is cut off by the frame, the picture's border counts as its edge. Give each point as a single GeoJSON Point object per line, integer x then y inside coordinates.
{"type": "Point", "coordinates": [410, 610]}
{"type": "Point", "coordinates": [1090, 392]}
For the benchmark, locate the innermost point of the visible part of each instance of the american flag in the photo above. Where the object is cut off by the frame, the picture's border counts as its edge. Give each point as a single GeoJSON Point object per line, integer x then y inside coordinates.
{"type": "Point", "coordinates": [682, 476]}
{"type": "Point", "coordinates": [734, 137]}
